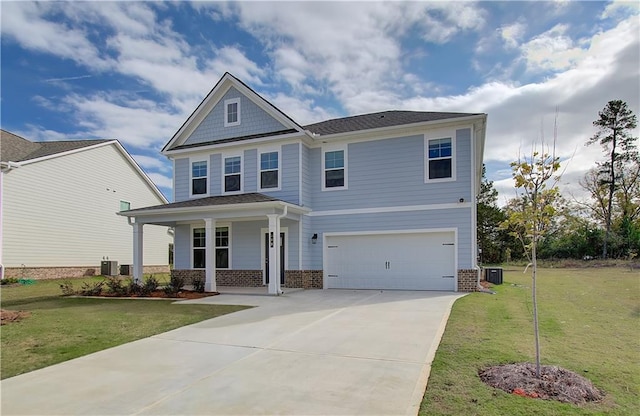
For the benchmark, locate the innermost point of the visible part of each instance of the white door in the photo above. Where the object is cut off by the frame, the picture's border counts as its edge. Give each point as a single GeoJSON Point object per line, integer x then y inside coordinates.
{"type": "Point", "coordinates": [415, 261]}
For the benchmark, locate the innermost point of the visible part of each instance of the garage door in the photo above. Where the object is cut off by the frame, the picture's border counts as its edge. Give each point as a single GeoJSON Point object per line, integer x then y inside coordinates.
{"type": "Point", "coordinates": [416, 261]}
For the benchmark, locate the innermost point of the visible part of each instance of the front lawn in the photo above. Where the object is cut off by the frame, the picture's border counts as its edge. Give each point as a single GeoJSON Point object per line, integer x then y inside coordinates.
{"type": "Point", "coordinates": [61, 328]}
{"type": "Point", "coordinates": [589, 323]}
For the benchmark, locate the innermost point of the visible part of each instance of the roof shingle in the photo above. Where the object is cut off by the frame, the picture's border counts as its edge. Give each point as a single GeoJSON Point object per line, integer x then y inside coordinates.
{"type": "Point", "coordinates": [14, 148]}
{"type": "Point", "coordinates": [249, 198]}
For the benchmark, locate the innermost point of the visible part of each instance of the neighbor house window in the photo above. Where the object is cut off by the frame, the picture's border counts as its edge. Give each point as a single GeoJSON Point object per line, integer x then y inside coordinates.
{"type": "Point", "coordinates": [199, 247]}
{"type": "Point", "coordinates": [269, 170]}
{"type": "Point", "coordinates": [334, 169]}
{"type": "Point", "coordinates": [233, 174]}
{"type": "Point", "coordinates": [222, 247]}
{"type": "Point", "coordinates": [199, 244]}
{"type": "Point", "coordinates": [125, 206]}
{"type": "Point", "coordinates": [440, 158]}
{"type": "Point", "coordinates": [232, 112]}
{"type": "Point", "coordinates": [199, 177]}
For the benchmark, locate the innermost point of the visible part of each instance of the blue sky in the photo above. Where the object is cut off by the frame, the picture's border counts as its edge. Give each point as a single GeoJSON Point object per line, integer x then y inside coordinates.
{"type": "Point", "coordinates": [134, 71]}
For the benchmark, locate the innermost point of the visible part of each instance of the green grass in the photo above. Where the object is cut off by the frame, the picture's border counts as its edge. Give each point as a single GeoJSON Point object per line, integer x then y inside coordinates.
{"type": "Point", "coordinates": [61, 328]}
{"type": "Point", "coordinates": [589, 323]}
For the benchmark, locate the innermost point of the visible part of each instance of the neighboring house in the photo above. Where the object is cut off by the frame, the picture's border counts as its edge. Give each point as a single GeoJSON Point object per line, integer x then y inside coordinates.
{"type": "Point", "coordinates": [58, 205]}
{"type": "Point", "coordinates": [375, 201]}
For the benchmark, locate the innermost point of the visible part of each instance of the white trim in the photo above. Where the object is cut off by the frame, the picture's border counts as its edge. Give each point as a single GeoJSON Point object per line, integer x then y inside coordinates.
{"type": "Point", "coordinates": [200, 225]}
{"type": "Point", "coordinates": [474, 205]}
{"type": "Point", "coordinates": [173, 179]}
{"type": "Point", "coordinates": [437, 135]}
{"type": "Point", "coordinates": [300, 144]}
{"type": "Point", "coordinates": [223, 176]}
{"type": "Point", "coordinates": [334, 148]}
{"type": "Point", "coordinates": [283, 139]}
{"type": "Point", "coordinates": [263, 247]}
{"type": "Point", "coordinates": [325, 276]}
{"type": "Point", "coordinates": [227, 103]}
{"type": "Point", "coordinates": [193, 160]}
{"type": "Point", "coordinates": [381, 210]}
{"type": "Point", "coordinates": [274, 149]}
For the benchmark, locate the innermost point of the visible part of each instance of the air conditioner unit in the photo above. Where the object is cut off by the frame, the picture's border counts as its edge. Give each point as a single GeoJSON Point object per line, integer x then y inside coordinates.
{"type": "Point", "coordinates": [126, 269]}
{"type": "Point", "coordinates": [493, 275]}
{"type": "Point", "coordinates": [109, 268]}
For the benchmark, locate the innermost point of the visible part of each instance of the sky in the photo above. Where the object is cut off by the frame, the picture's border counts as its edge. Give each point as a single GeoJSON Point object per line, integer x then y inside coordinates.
{"type": "Point", "coordinates": [134, 71]}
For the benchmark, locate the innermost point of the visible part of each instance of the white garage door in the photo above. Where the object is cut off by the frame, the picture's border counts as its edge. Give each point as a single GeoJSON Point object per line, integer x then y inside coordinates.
{"type": "Point", "coordinates": [416, 261]}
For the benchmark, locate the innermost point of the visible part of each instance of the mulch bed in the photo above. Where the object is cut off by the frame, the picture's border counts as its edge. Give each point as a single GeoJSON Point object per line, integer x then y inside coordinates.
{"type": "Point", "coordinates": [7, 316]}
{"type": "Point", "coordinates": [555, 383]}
{"type": "Point", "coordinates": [183, 294]}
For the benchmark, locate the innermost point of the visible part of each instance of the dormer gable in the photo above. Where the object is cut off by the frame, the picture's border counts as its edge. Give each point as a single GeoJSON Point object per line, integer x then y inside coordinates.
{"type": "Point", "coordinates": [231, 112]}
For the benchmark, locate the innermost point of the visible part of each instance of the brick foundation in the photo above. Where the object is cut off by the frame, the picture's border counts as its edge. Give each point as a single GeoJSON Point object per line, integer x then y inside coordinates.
{"type": "Point", "coordinates": [305, 279]}
{"type": "Point", "coordinates": [239, 278]}
{"type": "Point", "coordinates": [43, 273]}
{"type": "Point", "coordinates": [467, 280]}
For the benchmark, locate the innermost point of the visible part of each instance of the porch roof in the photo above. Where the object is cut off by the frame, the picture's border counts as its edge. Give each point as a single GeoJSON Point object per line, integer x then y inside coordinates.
{"type": "Point", "coordinates": [250, 201]}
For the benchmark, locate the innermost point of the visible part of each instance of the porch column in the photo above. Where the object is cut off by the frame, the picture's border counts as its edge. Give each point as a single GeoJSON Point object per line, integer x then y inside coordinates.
{"type": "Point", "coordinates": [274, 254]}
{"type": "Point", "coordinates": [138, 260]}
{"type": "Point", "coordinates": [210, 257]}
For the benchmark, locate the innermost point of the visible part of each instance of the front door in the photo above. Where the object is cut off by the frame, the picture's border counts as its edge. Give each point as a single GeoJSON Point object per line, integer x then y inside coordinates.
{"type": "Point", "coordinates": [266, 257]}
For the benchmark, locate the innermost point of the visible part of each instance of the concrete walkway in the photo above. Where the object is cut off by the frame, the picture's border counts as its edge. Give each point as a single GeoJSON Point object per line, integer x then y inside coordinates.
{"type": "Point", "coordinates": [314, 352]}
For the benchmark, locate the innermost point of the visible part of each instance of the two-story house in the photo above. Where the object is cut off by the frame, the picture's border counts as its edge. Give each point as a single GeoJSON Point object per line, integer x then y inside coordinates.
{"type": "Point", "coordinates": [374, 201]}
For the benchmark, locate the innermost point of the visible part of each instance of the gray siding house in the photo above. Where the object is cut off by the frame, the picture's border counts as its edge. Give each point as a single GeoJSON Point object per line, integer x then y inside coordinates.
{"type": "Point", "coordinates": [373, 201]}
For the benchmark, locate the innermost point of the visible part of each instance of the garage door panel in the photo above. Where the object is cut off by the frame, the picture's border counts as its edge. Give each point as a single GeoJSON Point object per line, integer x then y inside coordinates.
{"type": "Point", "coordinates": [421, 261]}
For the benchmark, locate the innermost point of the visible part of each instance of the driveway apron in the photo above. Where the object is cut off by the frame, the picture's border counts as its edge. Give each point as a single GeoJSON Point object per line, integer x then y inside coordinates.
{"type": "Point", "coordinates": [313, 352]}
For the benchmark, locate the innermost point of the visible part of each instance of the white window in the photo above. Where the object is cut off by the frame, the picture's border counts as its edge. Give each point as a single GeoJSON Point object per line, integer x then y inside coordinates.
{"type": "Point", "coordinates": [334, 169]}
{"type": "Point", "coordinates": [440, 159]}
{"type": "Point", "coordinates": [125, 206]}
{"type": "Point", "coordinates": [232, 112]}
{"type": "Point", "coordinates": [269, 168]}
{"type": "Point", "coordinates": [198, 177]}
{"type": "Point", "coordinates": [232, 174]}
{"type": "Point", "coordinates": [199, 248]}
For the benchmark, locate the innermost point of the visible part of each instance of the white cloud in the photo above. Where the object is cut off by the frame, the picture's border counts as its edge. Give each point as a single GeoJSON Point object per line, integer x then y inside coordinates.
{"type": "Point", "coordinates": [552, 50]}
{"type": "Point", "coordinates": [618, 8]}
{"type": "Point", "coordinates": [152, 162]}
{"type": "Point", "coordinates": [512, 34]}
{"type": "Point", "coordinates": [160, 180]}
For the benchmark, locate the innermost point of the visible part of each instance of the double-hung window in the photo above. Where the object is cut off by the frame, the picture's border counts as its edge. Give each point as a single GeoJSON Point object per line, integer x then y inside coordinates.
{"type": "Point", "coordinates": [334, 169]}
{"type": "Point", "coordinates": [199, 177]}
{"type": "Point", "coordinates": [199, 248]}
{"type": "Point", "coordinates": [269, 170]}
{"type": "Point", "coordinates": [233, 174]}
{"type": "Point", "coordinates": [232, 112]}
{"type": "Point", "coordinates": [440, 158]}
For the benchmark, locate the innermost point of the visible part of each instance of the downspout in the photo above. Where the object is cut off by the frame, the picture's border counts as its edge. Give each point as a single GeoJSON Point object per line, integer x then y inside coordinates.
{"type": "Point", "coordinates": [5, 167]}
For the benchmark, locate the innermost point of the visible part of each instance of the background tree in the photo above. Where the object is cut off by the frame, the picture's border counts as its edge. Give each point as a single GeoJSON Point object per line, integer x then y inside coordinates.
{"type": "Point", "coordinates": [491, 238]}
{"type": "Point", "coordinates": [532, 213]}
{"type": "Point", "coordinates": [615, 123]}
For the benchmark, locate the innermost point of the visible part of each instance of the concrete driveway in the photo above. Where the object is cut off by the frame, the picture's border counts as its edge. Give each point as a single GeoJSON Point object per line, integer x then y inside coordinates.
{"type": "Point", "coordinates": [314, 352]}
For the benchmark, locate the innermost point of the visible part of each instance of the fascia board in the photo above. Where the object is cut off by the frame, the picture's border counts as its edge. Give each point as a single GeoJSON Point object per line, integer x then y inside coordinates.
{"type": "Point", "coordinates": [227, 145]}
{"type": "Point", "coordinates": [220, 208]}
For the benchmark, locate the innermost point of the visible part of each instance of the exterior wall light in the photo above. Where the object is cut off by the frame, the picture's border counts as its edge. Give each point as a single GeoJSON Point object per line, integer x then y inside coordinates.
{"type": "Point", "coordinates": [314, 238]}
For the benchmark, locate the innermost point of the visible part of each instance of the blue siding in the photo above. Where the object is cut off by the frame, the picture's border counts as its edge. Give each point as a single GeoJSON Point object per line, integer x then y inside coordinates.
{"type": "Point", "coordinates": [181, 185]}
{"type": "Point", "coordinates": [215, 174]}
{"type": "Point", "coordinates": [250, 170]}
{"type": "Point", "coordinates": [245, 241]}
{"type": "Point", "coordinates": [181, 247]}
{"type": "Point", "coordinates": [289, 173]}
{"type": "Point", "coordinates": [306, 176]}
{"type": "Point", "coordinates": [453, 218]}
{"type": "Point", "coordinates": [390, 172]}
{"type": "Point", "coordinates": [253, 120]}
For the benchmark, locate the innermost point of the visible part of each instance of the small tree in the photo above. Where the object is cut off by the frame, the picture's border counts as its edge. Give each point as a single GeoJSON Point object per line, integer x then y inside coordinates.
{"type": "Point", "coordinates": [532, 213]}
{"type": "Point", "coordinates": [615, 123]}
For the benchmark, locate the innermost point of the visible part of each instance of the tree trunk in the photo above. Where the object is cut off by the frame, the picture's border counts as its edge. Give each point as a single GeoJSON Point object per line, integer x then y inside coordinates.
{"type": "Point", "coordinates": [534, 260]}
{"type": "Point", "coordinates": [612, 189]}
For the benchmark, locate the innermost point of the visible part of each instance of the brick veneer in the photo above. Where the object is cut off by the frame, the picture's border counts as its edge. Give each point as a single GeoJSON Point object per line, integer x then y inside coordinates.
{"type": "Point", "coordinates": [305, 279]}
{"type": "Point", "coordinates": [467, 280]}
{"type": "Point", "coordinates": [43, 273]}
{"type": "Point", "coordinates": [240, 278]}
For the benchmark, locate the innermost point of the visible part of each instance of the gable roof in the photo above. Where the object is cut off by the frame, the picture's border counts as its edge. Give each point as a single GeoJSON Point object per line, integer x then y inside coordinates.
{"type": "Point", "coordinates": [379, 120]}
{"type": "Point", "coordinates": [21, 151]}
{"type": "Point", "coordinates": [14, 148]}
{"type": "Point", "coordinates": [213, 97]}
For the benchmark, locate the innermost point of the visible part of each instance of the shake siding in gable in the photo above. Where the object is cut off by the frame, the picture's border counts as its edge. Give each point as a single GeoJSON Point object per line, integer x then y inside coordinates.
{"type": "Point", "coordinates": [62, 212]}
{"type": "Point", "coordinates": [253, 120]}
{"type": "Point", "coordinates": [390, 172]}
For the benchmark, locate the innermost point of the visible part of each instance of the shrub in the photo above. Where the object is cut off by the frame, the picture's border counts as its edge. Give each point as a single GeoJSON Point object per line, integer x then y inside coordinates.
{"type": "Point", "coordinates": [176, 283]}
{"type": "Point", "coordinates": [198, 283]}
{"type": "Point", "coordinates": [67, 288]}
{"type": "Point", "coordinates": [9, 281]}
{"type": "Point", "coordinates": [133, 287]}
{"type": "Point", "coordinates": [149, 285]}
{"type": "Point", "coordinates": [92, 288]}
{"type": "Point", "coordinates": [115, 285]}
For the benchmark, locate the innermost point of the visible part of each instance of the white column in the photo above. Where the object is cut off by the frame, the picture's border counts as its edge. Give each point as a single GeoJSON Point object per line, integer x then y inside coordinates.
{"type": "Point", "coordinates": [138, 257]}
{"type": "Point", "coordinates": [274, 254]}
{"type": "Point", "coordinates": [210, 257]}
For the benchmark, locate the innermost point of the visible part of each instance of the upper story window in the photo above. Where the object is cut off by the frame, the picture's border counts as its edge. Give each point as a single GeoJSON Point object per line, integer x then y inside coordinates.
{"type": "Point", "coordinates": [440, 159]}
{"type": "Point", "coordinates": [232, 112]}
{"type": "Point", "coordinates": [269, 170]}
{"type": "Point", "coordinates": [198, 177]}
{"type": "Point", "coordinates": [233, 174]}
{"type": "Point", "coordinates": [125, 206]}
{"type": "Point", "coordinates": [334, 169]}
